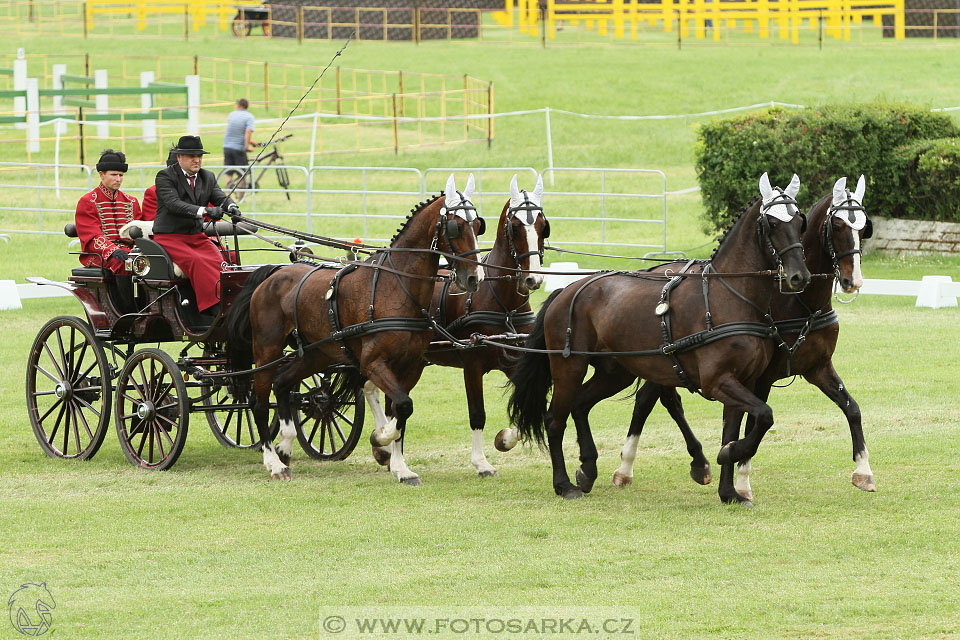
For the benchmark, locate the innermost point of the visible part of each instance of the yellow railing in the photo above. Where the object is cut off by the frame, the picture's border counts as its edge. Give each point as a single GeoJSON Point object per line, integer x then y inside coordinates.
{"type": "Point", "coordinates": [785, 17]}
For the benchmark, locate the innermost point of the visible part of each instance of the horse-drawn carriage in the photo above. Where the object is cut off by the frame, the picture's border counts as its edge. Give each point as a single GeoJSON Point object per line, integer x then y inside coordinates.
{"type": "Point", "coordinates": [80, 372]}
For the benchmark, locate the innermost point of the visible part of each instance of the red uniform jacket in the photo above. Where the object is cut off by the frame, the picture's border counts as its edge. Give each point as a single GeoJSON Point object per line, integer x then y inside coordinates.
{"type": "Point", "coordinates": [149, 208]}
{"type": "Point", "coordinates": [99, 218]}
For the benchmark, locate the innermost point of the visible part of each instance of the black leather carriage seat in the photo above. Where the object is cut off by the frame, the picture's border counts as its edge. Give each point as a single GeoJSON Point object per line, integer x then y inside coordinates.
{"type": "Point", "coordinates": [70, 230]}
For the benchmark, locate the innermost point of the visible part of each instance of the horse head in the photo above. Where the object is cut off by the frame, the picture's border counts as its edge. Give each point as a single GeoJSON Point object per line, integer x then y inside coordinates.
{"type": "Point", "coordinates": [523, 228]}
{"type": "Point", "coordinates": [780, 227]}
{"type": "Point", "coordinates": [844, 229]}
{"type": "Point", "coordinates": [456, 233]}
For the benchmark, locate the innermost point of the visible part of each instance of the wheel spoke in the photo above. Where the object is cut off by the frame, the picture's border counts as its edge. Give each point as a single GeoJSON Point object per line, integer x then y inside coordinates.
{"type": "Point", "coordinates": [76, 428]}
{"type": "Point", "coordinates": [50, 410]}
{"type": "Point", "coordinates": [56, 424]}
{"type": "Point", "coordinates": [250, 425]}
{"type": "Point", "coordinates": [78, 362]}
{"type": "Point", "coordinates": [346, 418]}
{"type": "Point", "coordinates": [143, 438]}
{"type": "Point", "coordinates": [63, 356]}
{"type": "Point", "coordinates": [46, 347]}
{"type": "Point", "coordinates": [164, 394]}
{"type": "Point", "coordinates": [167, 420]}
{"type": "Point", "coordinates": [145, 389]}
{"type": "Point", "coordinates": [86, 425]}
{"type": "Point", "coordinates": [89, 406]}
{"type": "Point", "coordinates": [336, 425]}
{"type": "Point", "coordinates": [129, 397]}
{"type": "Point", "coordinates": [313, 432]}
{"type": "Point", "coordinates": [46, 373]}
{"type": "Point", "coordinates": [84, 374]}
{"type": "Point", "coordinates": [162, 432]}
{"type": "Point", "coordinates": [323, 434]}
{"type": "Point", "coordinates": [66, 430]}
{"type": "Point", "coordinates": [42, 393]}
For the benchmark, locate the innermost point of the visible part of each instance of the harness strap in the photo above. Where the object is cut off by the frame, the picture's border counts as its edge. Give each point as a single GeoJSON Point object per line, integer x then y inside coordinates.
{"type": "Point", "coordinates": [334, 313]}
{"type": "Point", "coordinates": [566, 347]}
{"type": "Point", "coordinates": [296, 310]}
{"type": "Point", "coordinates": [666, 328]}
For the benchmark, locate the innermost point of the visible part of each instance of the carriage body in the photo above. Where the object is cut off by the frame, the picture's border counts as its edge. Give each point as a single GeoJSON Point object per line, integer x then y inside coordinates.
{"type": "Point", "coordinates": [82, 373]}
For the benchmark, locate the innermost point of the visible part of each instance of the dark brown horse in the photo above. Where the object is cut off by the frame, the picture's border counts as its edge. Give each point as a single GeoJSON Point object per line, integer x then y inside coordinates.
{"type": "Point", "coordinates": [501, 305]}
{"type": "Point", "coordinates": [704, 328]}
{"type": "Point", "coordinates": [381, 310]}
{"type": "Point", "coordinates": [832, 246]}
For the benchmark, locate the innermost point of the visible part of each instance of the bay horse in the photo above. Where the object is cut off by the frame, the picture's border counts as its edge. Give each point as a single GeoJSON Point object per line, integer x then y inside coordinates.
{"type": "Point", "coordinates": [832, 245]}
{"type": "Point", "coordinates": [372, 318]}
{"type": "Point", "coordinates": [631, 318]}
{"type": "Point", "coordinates": [502, 304]}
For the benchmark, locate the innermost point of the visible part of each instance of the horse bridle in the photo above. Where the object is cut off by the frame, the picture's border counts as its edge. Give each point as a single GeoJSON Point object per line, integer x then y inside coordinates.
{"type": "Point", "coordinates": [447, 224]}
{"type": "Point", "coordinates": [850, 204]}
{"type": "Point", "coordinates": [763, 228]}
{"type": "Point", "coordinates": [532, 210]}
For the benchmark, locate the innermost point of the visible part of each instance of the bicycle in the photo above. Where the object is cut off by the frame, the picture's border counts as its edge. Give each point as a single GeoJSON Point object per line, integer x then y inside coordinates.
{"type": "Point", "coordinates": [235, 181]}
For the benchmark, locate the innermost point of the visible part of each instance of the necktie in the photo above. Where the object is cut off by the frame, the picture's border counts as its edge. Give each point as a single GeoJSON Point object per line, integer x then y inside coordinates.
{"type": "Point", "coordinates": [192, 179]}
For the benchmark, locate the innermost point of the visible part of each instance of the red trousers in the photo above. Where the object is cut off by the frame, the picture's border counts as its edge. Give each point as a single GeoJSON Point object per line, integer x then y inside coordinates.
{"type": "Point", "coordinates": [200, 262]}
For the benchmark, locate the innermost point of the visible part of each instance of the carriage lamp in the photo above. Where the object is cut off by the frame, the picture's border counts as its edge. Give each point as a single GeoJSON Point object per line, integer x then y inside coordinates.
{"type": "Point", "coordinates": [138, 265]}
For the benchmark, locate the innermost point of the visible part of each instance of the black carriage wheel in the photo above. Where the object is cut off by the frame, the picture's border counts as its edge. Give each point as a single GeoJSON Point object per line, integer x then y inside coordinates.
{"type": "Point", "coordinates": [152, 411]}
{"type": "Point", "coordinates": [234, 183]}
{"type": "Point", "coordinates": [68, 389]}
{"type": "Point", "coordinates": [232, 426]}
{"type": "Point", "coordinates": [241, 27]}
{"type": "Point", "coordinates": [329, 424]}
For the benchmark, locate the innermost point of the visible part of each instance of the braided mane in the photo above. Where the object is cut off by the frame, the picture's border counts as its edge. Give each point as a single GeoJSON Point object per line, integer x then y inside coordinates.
{"type": "Point", "coordinates": [413, 212]}
{"type": "Point", "coordinates": [733, 222]}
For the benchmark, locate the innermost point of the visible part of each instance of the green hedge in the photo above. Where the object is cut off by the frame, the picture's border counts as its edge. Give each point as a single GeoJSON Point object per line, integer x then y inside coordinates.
{"type": "Point", "coordinates": [908, 155]}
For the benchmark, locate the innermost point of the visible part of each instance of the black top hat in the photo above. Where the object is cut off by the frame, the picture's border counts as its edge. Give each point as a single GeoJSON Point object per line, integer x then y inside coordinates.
{"type": "Point", "coordinates": [111, 160]}
{"type": "Point", "coordinates": [189, 146]}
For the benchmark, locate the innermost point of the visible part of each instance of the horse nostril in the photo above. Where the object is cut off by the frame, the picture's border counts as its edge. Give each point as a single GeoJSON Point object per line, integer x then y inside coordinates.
{"type": "Point", "coordinates": [472, 282]}
{"type": "Point", "coordinates": [796, 282]}
{"type": "Point", "coordinates": [530, 282]}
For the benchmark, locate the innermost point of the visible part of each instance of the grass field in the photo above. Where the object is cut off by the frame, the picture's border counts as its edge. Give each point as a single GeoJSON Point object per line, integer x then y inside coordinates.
{"type": "Point", "coordinates": [213, 549]}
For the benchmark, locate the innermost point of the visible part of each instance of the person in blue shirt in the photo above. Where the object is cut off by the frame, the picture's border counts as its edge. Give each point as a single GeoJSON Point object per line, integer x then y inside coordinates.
{"type": "Point", "coordinates": [239, 136]}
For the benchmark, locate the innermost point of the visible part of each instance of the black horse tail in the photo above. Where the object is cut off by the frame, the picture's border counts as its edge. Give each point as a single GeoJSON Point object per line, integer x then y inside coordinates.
{"type": "Point", "coordinates": [532, 381]}
{"type": "Point", "coordinates": [239, 346]}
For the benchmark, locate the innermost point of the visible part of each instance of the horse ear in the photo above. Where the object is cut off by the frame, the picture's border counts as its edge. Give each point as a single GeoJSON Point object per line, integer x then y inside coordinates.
{"type": "Point", "coordinates": [861, 187]}
{"type": "Point", "coordinates": [839, 190]}
{"type": "Point", "coordinates": [538, 190]}
{"type": "Point", "coordinates": [515, 198]}
{"type": "Point", "coordinates": [450, 193]}
{"type": "Point", "coordinates": [469, 189]}
{"type": "Point", "coordinates": [794, 187]}
{"type": "Point", "coordinates": [766, 191]}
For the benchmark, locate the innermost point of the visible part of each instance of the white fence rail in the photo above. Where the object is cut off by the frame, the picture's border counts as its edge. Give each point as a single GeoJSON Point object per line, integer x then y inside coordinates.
{"type": "Point", "coordinates": [628, 206]}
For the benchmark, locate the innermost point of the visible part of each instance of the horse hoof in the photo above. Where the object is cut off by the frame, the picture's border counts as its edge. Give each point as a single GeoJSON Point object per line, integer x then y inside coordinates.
{"type": "Point", "coordinates": [864, 482]}
{"type": "Point", "coordinates": [737, 498]}
{"type": "Point", "coordinates": [381, 455]}
{"type": "Point", "coordinates": [413, 481]}
{"type": "Point", "coordinates": [585, 483]}
{"type": "Point", "coordinates": [701, 475]}
{"type": "Point", "coordinates": [572, 493]}
{"type": "Point", "coordinates": [505, 440]}
{"type": "Point", "coordinates": [726, 454]}
{"type": "Point", "coordinates": [621, 480]}
{"type": "Point", "coordinates": [487, 474]}
{"type": "Point", "coordinates": [284, 474]}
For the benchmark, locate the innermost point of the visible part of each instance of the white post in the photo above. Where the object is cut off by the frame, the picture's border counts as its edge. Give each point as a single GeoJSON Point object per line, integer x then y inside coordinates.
{"type": "Point", "coordinates": [20, 84]}
{"type": "Point", "coordinates": [102, 101]}
{"type": "Point", "coordinates": [193, 105]}
{"type": "Point", "coordinates": [33, 115]}
{"type": "Point", "coordinates": [146, 101]}
{"type": "Point", "coordinates": [549, 147]}
{"type": "Point", "coordinates": [59, 127]}
{"type": "Point", "coordinates": [313, 139]}
{"type": "Point", "coordinates": [56, 154]}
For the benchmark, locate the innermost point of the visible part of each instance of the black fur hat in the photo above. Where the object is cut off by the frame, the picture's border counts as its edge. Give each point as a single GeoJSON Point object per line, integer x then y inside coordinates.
{"type": "Point", "coordinates": [111, 160]}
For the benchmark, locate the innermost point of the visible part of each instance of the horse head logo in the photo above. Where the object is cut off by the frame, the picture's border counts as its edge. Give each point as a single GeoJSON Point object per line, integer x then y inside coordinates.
{"type": "Point", "coordinates": [30, 608]}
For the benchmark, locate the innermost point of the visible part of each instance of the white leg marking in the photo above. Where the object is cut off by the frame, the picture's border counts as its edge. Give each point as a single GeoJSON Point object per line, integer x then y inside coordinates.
{"type": "Point", "coordinates": [288, 432]}
{"type": "Point", "coordinates": [398, 466]}
{"type": "Point", "coordinates": [385, 430]}
{"type": "Point", "coordinates": [742, 483]}
{"type": "Point", "coordinates": [627, 455]}
{"type": "Point", "coordinates": [863, 464]}
{"type": "Point", "coordinates": [272, 461]}
{"type": "Point", "coordinates": [533, 241]}
{"type": "Point", "coordinates": [477, 458]}
{"type": "Point", "coordinates": [371, 394]}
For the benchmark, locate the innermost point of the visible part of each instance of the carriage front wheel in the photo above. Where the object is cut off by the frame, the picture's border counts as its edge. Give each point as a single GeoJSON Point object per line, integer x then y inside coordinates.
{"type": "Point", "coordinates": [151, 410]}
{"type": "Point", "coordinates": [329, 417]}
{"type": "Point", "coordinates": [68, 389]}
